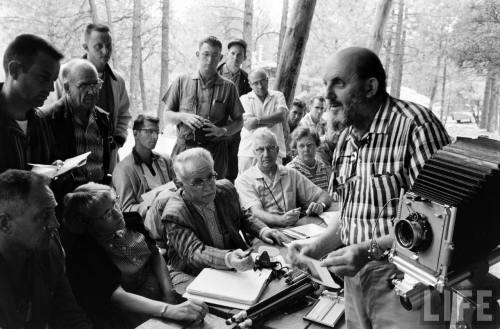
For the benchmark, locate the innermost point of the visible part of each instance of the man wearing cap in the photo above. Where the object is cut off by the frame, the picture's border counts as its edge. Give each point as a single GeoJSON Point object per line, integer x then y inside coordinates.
{"type": "Point", "coordinates": [205, 107]}
{"type": "Point", "coordinates": [230, 68]}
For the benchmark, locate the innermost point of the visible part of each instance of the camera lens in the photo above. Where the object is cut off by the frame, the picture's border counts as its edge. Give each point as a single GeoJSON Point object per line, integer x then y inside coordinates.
{"type": "Point", "coordinates": [414, 233]}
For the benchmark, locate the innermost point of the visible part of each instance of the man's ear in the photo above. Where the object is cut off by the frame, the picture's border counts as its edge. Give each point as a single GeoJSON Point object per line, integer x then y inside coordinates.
{"type": "Point", "coordinates": [5, 223]}
{"type": "Point", "coordinates": [220, 58]}
{"type": "Point", "coordinates": [66, 87]}
{"type": "Point", "coordinates": [371, 87]}
{"type": "Point", "coordinates": [85, 46]}
{"type": "Point", "coordinates": [197, 54]}
{"type": "Point", "coordinates": [15, 69]}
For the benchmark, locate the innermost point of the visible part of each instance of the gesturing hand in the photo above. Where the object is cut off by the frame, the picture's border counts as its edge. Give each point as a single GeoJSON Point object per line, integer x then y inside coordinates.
{"type": "Point", "coordinates": [346, 261]}
{"type": "Point", "coordinates": [213, 130]}
{"type": "Point", "coordinates": [314, 208]}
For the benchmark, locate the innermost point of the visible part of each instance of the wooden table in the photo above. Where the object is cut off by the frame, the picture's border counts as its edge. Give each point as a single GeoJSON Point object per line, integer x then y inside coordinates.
{"type": "Point", "coordinates": [284, 320]}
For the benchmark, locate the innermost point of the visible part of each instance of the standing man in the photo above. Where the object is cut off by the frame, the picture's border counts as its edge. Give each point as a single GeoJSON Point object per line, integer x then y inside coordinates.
{"type": "Point", "coordinates": [113, 97]}
{"type": "Point", "coordinates": [205, 107]}
{"type": "Point", "coordinates": [263, 108]}
{"type": "Point", "coordinates": [313, 120]}
{"type": "Point", "coordinates": [34, 288]}
{"type": "Point", "coordinates": [386, 143]}
{"type": "Point", "coordinates": [31, 66]}
{"type": "Point", "coordinates": [142, 170]}
{"type": "Point", "coordinates": [231, 70]}
{"type": "Point", "coordinates": [80, 126]}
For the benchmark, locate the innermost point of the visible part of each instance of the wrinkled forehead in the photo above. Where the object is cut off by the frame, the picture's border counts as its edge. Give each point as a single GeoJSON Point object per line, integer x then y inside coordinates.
{"type": "Point", "coordinates": [257, 76]}
{"type": "Point", "coordinates": [340, 66]}
{"type": "Point", "coordinates": [196, 169]}
{"type": "Point", "coordinates": [262, 141]}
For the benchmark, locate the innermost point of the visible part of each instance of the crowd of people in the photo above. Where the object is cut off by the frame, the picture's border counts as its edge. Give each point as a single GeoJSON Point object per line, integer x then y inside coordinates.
{"type": "Point", "coordinates": [89, 249]}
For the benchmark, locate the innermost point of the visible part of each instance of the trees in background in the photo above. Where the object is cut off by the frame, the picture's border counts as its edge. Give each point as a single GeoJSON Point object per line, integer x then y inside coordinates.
{"type": "Point", "coordinates": [450, 47]}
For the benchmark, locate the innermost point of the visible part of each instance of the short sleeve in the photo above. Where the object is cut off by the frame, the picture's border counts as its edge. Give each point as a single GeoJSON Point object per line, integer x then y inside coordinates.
{"type": "Point", "coordinates": [235, 107]}
{"type": "Point", "coordinates": [172, 96]}
{"type": "Point", "coordinates": [246, 191]}
{"type": "Point", "coordinates": [306, 190]}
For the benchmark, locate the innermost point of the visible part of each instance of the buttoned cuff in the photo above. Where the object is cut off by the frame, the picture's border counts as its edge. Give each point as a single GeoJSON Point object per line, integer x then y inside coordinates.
{"type": "Point", "coordinates": [226, 260]}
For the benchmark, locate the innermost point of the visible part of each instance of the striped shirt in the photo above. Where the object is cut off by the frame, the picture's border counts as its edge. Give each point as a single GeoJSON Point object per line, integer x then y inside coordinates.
{"type": "Point", "coordinates": [319, 173]}
{"type": "Point", "coordinates": [89, 139]}
{"type": "Point", "coordinates": [369, 173]}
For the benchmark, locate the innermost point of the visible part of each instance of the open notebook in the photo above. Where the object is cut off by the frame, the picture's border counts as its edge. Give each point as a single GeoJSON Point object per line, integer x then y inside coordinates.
{"type": "Point", "coordinates": [229, 288]}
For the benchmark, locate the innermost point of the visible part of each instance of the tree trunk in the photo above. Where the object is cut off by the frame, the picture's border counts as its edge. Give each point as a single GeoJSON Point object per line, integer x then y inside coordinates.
{"type": "Point", "coordinates": [443, 93]}
{"type": "Point", "coordinates": [144, 98]}
{"type": "Point", "coordinates": [377, 34]}
{"type": "Point", "coordinates": [294, 47]}
{"type": "Point", "coordinates": [388, 52]}
{"type": "Point", "coordinates": [164, 58]}
{"type": "Point", "coordinates": [493, 106]}
{"type": "Point", "coordinates": [135, 64]}
{"type": "Point", "coordinates": [399, 53]}
{"type": "Point", "coordinates": [110, 25]}
{"type": "Point", "coordinates": [247, 32]}
{"type": "Point", "coordinates": [436, 76]}
{"type": "Point", "coordinates": [284, 17]}
{"type": "Point", "coordinates": [486, 99]}
{"type": "Point", "coordinates": [93, 11]}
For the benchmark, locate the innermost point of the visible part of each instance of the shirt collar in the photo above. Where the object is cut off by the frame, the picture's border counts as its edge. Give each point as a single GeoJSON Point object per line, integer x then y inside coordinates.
{"type": "Point", "coordinates": [259, 174]}
{"type": "Point", "coordinates": [107, 69]}
{"type": "Point", "coordinates": [380, 122]}
{"type": "Point", "coordinates": [138, 160]}
{"type": "Point", "coordinates": [216, 79]}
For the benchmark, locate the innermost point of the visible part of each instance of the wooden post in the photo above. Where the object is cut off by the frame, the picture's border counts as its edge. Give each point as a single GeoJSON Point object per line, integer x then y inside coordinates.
{"type": "Point", "coordinates": [284, 17]}
{"type": "Point", "coordinates": [135, 63]}
{"type": "Point", "coordinates": [247, 33]}
{"type": "Point", "coordinates": [164, 58]}
{"type": "Point", "coordinates": [93, 11]}
{"type": "Point", "coordinates": [377, 34]}
{"type": "Point", "coordinates": [294, 47]}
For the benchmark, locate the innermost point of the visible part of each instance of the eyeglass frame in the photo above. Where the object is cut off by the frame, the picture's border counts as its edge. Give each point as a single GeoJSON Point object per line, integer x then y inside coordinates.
{"type": "Point", "coordinates": [268, 148]}
{"type": "Point", "coordinates": [94, 87]}
{"type": "Point", "coordinates": [203, 182]}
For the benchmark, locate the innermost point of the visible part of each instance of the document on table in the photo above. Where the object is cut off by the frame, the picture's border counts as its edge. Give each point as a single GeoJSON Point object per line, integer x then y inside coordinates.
{"type": "Point", "coordinates": [303, 231]}
{"type": "Point", "coordinates": [228, 288]}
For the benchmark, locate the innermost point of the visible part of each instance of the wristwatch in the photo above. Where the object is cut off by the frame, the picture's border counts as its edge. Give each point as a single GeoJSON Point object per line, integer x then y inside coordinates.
{"type": "Point", "coordinates": [225, 131]}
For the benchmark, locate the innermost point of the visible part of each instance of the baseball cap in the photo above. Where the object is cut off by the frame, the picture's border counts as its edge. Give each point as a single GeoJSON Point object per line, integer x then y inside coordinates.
{"type": "Point", "coordinates": [239, 42]}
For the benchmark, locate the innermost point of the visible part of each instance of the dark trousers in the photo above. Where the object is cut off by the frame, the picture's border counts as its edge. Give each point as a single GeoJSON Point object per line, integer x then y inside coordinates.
{"type": "Point", "coordinates": [218, 149]}
{"type": "Point", "coordinates": [232, 165]}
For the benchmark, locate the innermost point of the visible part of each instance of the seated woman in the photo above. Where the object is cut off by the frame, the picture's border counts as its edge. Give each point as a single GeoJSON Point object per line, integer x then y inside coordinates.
{"type": "Point", "coordinates": [111, 266]}
{"type": "Point", "coordinates": [306, 142]}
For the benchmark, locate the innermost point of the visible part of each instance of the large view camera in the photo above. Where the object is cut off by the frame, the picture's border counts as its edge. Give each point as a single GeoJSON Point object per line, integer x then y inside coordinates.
{"type": "Point", "coordinates": [449, 220]}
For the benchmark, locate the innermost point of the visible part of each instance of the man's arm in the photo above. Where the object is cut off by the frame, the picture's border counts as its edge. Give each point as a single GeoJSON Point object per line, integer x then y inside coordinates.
{"type": "Point", "coordinates": [122, 113]}
{"type": "Point", "coordinates": [252, 122]}
{"type": "Point", "coordinates": [191, 249]}
{"type": "Point", "coordinates": [163, 276]}
{"type": "Point", "coordinates": [127, 198]}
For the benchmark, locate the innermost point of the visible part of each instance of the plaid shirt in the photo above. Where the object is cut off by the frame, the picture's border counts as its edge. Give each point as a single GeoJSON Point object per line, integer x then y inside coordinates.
{"type": "Point", "coordinates": [369, 173]}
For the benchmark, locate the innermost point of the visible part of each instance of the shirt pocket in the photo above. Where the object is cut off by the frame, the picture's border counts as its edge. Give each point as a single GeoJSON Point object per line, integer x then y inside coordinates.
{"type": "Point", "coordinates": [384, 193]}
{"type": "Point", "coordinates": [218, 113]}
{"type": "Point", "coordinates": [188, 105]}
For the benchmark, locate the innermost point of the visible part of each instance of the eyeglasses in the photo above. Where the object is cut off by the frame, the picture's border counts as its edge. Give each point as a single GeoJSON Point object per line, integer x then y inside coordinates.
{"type": "Point", "coordinates": [93, 87]}
{"type": "Point", "coordinates": [260, 82]}
{"type": "Point", "coordinates": [351, 161]}
{"type": "Point", "coordinates": [198, 184]}
{"type": "Point", "coordinates": [151, 131]}
{"type": "Point", "coordinates": [269, 149]}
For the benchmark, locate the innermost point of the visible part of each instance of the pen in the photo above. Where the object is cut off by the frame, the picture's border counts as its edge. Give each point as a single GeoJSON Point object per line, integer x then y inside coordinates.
{"type": "Point", "coordinates": [247, 253]}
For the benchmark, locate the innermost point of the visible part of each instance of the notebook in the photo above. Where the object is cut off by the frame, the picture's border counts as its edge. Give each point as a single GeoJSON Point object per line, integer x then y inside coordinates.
{"type": "Point", "coordinates": [222, 287]}
{"type": "Point", "coordinates": [303, 231]}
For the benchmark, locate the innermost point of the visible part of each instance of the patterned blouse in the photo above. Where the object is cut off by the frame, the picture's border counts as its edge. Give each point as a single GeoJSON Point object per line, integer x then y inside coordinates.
{"type": "Point", "coordinates": [319, 173]}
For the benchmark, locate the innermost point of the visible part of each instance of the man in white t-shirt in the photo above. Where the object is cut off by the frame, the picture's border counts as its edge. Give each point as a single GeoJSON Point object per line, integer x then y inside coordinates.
{"type": "Point", "coordinates": [263, 108]}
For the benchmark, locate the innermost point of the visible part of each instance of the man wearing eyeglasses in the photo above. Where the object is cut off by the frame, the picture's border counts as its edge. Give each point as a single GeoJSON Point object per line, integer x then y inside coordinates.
{"type": "Point", "coordinates": [205, 107]}
{"type": "Point", "coordinates": [273, 193]}
{"type": "Point", "coordinates": [263, 108]}
{"type": "Point", "coordinates": [79, 126]}
{"type": "Point", "coordinates": [203, 220]}
{"type": "Point", "coordinates": [142, 170]}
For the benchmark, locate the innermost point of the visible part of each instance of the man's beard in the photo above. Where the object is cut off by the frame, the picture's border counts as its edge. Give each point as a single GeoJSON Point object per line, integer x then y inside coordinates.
{"type": "Point", "coordinates": [351, 110]}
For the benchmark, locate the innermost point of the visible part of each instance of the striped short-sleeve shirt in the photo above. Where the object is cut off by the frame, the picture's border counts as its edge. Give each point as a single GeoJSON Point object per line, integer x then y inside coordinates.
{"type": "Point", "coordinates": [319, 173]}
{"type": "Point", "coordinates": [369, 174]}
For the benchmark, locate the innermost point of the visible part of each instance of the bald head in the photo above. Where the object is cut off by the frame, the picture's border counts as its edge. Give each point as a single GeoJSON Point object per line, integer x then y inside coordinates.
{"type": "Point", "coordinates": [75, 67]}
{"type": "Point", "coordinates": [81, 84]}
{"type": "Point", "coordinates": [360, 63]}
{"type": "Point", "coordinates": [258, 80]}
